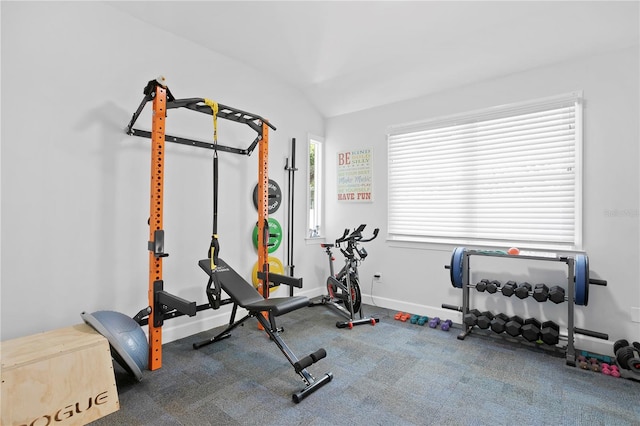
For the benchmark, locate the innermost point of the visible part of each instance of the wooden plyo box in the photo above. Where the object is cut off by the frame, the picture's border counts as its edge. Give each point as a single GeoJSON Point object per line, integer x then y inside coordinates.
{"type": "Point", "coordinates": [61, 377]}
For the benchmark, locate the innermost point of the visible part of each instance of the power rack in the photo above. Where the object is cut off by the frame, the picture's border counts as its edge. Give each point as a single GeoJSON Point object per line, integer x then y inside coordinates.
{"type": "Point", "coordinates": [164, 305]}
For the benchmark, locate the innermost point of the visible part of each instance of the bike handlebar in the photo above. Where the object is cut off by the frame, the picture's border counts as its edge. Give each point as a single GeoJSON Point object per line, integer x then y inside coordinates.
{"type": "Point", "coordinates": [356, 235]}
{"type": "Point", "coordinates": [375, 234]}
{"type": "Point", "coordinates": [344, 237]}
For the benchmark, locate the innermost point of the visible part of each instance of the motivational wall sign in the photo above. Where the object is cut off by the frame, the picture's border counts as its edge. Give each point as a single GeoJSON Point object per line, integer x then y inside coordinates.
{"type": "Point", "coordinates": [355, 175]}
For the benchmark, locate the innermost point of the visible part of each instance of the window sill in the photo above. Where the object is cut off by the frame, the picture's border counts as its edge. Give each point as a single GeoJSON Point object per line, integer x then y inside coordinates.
{"type": "Point", "coordinates": [314, 240]}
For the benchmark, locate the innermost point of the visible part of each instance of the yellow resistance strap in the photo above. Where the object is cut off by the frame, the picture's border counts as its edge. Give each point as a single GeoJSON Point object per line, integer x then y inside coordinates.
{"type": "Point", "coordinates": [214, 108]}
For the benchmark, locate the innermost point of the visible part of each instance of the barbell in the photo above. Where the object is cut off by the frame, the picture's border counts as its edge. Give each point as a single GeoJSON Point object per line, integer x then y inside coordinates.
{"type": "Point", "coordinates": [581, 274]}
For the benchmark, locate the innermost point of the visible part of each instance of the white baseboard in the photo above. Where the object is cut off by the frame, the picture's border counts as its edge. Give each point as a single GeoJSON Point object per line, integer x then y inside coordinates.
{"type": "Point", "coordinates": [413, 308]}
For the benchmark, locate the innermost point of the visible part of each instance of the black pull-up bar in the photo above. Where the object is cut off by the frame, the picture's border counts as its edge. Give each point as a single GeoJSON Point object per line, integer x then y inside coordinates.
{"type": "Point", "coordinates": [254, 121]}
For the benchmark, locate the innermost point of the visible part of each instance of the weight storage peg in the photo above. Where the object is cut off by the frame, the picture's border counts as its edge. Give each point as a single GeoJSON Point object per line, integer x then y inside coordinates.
{"type": "Point", "coordinates": [541, 292]}
{"type": "Point", "coordinates": [470, 318]}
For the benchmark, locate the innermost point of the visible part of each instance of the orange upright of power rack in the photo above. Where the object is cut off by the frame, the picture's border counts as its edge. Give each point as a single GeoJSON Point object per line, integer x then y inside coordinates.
{"type": "Point", "coordinates": [263, 205]}
{"type": "Point", "coordinates": [155, 217]}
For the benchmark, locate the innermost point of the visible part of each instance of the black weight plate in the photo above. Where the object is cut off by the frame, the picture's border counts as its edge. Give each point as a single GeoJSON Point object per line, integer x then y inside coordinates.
{"type": "Point", "coordinates": [275, 196]}
{"type": "Point", "coordinates": [620, 344]}
{"type": "Point", "coordinates": [582, 280]}
{"type": "Point", "coordinates": [625, 358]}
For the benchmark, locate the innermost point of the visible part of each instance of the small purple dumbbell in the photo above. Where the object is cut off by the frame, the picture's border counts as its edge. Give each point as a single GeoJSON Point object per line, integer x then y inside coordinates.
{"type": "Point", "coordinates": [433, 322]}
{"type": "Point", "coordinates": [445, 326]}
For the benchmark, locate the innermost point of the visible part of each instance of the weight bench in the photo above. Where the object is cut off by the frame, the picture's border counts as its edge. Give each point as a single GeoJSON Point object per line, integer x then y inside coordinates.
{"type": "Point", "coordinates": [244, 295]}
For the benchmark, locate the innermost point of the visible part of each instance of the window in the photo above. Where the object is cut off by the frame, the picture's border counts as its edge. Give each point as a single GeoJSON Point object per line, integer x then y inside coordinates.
{"type": "Point", "coordinates": [315, 188]}
{"type": "Point", "coordinates": [502, 176]}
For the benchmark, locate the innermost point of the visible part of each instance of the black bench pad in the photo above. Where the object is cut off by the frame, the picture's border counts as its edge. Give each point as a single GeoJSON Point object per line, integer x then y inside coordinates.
{"type": "Point", "coordinates": [245, 295]}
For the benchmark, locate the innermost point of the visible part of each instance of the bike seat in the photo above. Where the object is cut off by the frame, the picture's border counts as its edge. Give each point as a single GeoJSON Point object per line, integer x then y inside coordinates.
{"type": "Point", "coordinates": [325, 245]}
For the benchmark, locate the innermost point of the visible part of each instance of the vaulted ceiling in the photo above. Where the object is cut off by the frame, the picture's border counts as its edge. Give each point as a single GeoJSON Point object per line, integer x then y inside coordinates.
{"type": "Point", "coordinates": [346, 56]}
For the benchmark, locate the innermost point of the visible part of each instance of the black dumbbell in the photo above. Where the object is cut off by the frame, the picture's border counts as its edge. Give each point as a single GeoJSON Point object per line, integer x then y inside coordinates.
{"type": "Point", "coordinates": [471, 318]}
{"type": "Point", "coordinates": [556, 294]}
{"type": "Point", "coordinates": [513, 326]}
{"type": "Point", "coordinates": [620, 344]}
{"type": "Point", "coordinates": [484, 320]}
{"type": "Point", "coordinates": [531, 329]}
{"type": "Point", "coordinates": [509, 288]}
{"type": "Point", "coordinates": [482, 285]}
{"type": "Point", "coordinates": [499, 322]}
{"type": "Point", "coordinates": [629, 358]}
{"type": "Point", "coordinates": [523, 290]}
{"type": "Point", "coordinates": [541, 292]}
{"type": "Point", "coordinates": [550, 333]}
{"type": "Point", "coordinates": [493, 286]}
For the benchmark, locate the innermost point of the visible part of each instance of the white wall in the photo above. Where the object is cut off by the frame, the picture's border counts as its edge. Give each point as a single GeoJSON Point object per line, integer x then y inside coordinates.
{"type": "Point", "coordinates": [75, 187]}
{"type": "Point", "coordinates": [414, 278]}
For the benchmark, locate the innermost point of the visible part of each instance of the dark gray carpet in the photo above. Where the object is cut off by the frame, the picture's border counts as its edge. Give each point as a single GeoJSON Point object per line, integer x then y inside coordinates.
{"type": "Point", "coordinates": [393, 373]}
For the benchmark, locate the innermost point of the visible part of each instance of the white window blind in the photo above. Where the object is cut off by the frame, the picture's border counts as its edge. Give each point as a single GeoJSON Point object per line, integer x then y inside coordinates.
{"type": "Point", "coordinates": [503, 176]}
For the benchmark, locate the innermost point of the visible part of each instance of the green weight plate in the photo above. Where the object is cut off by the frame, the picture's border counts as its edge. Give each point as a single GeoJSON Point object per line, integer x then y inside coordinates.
{"type": "Point", "coordinates": [455, 270]}
{"type": "Point", "coordinates": [275, 235]}
{"type": "Point", "coordinates": [582, 280]}
{"type": "Point", "coordinates": [275, 196]}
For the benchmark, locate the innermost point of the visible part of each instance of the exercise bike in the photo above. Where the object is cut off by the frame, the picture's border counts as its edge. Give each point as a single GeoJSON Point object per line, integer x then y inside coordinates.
{"type": "Point", "coordinates": [343, 288]}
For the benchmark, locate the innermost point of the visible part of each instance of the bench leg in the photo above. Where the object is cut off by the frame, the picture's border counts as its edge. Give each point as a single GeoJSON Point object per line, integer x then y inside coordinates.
{"type": "Point", "coordinates": [312, 384]}
{"type": "Point", "coordinates": [226, 333]}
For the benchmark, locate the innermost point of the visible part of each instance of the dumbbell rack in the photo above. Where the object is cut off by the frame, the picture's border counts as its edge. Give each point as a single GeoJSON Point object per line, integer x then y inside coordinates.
{"type": "Point", "coordinates": [570, 352]}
